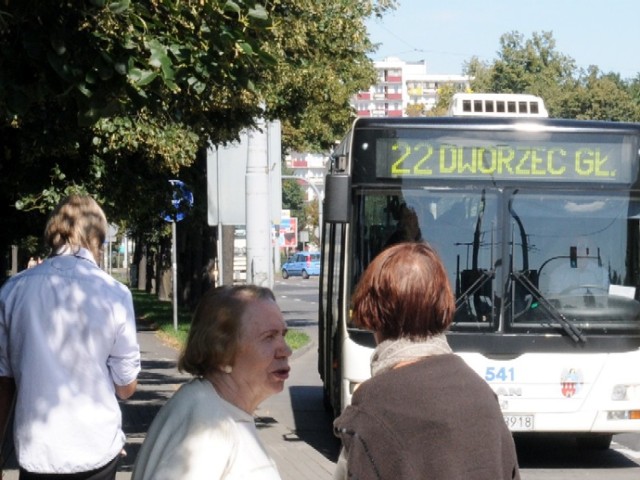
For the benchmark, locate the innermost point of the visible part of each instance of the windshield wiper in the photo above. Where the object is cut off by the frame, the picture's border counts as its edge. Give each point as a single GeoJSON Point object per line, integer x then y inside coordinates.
{"type": "Point", "coordinates": [567, 325]}
{"type": "Point", "coordinates": [483, 277]}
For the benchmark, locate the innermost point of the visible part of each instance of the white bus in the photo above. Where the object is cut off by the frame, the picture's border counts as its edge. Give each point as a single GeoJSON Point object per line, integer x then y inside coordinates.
{"type": "Point", "coordinates": [497, 105]}
{"type": "Point", "coordinates": [538, 224]}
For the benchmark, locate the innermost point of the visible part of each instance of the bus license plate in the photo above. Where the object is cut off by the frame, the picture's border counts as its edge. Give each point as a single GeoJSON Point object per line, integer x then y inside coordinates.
{"type": "Point", "coordinates": [519, 423]}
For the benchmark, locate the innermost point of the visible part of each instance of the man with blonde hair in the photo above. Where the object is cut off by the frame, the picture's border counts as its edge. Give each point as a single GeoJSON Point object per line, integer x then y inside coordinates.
{"type": "Point", "coordinates": [68, 347]}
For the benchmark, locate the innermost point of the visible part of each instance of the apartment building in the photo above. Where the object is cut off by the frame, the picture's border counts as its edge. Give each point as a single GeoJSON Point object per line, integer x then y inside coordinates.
{"type": "Point", "coordinates": [400, 84]}
{"type": "Point", "coordinates": [311, 169]}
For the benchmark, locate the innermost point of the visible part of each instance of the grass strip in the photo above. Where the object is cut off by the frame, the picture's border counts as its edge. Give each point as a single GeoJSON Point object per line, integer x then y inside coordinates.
{"type": "Point", "coordinates": [157, 315]}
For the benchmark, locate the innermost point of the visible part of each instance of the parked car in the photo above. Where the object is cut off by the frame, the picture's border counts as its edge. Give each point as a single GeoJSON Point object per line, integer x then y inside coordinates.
{"type": "Point", "coordinates": [302, 263]}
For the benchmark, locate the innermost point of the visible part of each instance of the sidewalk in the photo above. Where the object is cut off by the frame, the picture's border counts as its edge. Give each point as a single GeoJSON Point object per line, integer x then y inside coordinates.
{"type": "Point", "coordinates": [293, 424]}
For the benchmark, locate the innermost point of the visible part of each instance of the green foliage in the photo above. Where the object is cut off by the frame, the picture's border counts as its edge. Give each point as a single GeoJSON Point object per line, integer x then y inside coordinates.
{"type": "Point", "coordinates": [167, 146]}
{"type": "Point", "coordinates": [99, 58]}
{"type": "Point", "coordinates": [415, 110]}
{"type": "Point", "coordinates": [535, 66]}
{"type": "Point", "coordinates": [158, 315]}
{"type": "Point", "coordinates": [114, 97]}
{"type": "Point", "coordinates": [296, 339]}
{"type": "Point", "coordinates": [321, 47]}
{"type": "Point", "coordinates": [293, 200]}
{"type": "Point", "coordinates": [445, 94]}
{"type": "Point", "coordinates": [92, 89]}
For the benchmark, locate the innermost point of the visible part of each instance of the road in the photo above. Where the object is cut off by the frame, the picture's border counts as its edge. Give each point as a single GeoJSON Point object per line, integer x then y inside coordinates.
{"type": "Point", "coordinates": [541, 458]}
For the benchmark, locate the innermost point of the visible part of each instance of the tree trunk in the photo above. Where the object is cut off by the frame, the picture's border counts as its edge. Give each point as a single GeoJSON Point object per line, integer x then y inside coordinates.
{"type": "Point", "coordinates": [228, 237]}
{"type": "Point", "coordinates": [163, 270]}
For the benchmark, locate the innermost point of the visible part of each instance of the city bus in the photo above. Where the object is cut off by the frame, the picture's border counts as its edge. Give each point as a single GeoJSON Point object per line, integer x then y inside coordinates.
{"type": "Point", "coordinates": [537, 221]}
{"type": "Point", "coordinates": [496, 105]}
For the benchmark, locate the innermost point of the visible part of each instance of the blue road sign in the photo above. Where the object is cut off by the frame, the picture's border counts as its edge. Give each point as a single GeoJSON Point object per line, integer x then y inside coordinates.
{"type": "Point", "coordinates": [181, 201]}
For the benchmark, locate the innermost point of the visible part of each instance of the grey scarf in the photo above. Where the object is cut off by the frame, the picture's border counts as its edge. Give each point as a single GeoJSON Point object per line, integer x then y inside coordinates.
{"type": "Point", "coordinates": [391, 352]}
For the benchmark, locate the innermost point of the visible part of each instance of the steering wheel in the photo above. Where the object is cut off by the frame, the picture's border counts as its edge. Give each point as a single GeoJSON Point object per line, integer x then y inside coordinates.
{"type": "Point", "coordinates": [571, 288]}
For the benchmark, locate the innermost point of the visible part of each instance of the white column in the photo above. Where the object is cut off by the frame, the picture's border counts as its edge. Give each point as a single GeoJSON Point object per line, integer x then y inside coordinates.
{"type": "Point", "coordinates": [257, 213]}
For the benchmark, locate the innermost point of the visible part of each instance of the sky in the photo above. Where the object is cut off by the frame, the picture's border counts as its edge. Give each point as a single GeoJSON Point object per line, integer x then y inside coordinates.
{"type": "Point", "coordinates": [447, 33]}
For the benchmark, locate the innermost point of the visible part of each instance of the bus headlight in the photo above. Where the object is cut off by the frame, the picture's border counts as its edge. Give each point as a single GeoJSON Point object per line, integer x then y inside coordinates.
{"type": "Point", "coordinates": [626, 392]}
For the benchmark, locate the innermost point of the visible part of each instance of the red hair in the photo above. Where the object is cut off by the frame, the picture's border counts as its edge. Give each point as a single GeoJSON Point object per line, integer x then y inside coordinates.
{"type": "Point", "coordinates": [404, 292]}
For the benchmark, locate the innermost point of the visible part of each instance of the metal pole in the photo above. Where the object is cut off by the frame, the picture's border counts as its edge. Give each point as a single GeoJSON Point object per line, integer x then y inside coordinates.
{"type": "Point", "coordinates": [174, 274]}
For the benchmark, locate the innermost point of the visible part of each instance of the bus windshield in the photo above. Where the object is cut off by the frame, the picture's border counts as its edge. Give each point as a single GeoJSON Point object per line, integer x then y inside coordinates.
{"type": "Point", "coordinates": [519, 260]}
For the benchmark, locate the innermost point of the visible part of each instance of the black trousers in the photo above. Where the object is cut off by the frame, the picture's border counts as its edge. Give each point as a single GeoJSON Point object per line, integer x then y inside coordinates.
{"type": "Point", "coordinates": [108, 472]}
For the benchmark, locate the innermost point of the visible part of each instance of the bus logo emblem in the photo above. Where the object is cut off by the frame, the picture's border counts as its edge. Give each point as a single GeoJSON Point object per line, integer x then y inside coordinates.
{"type": "Point", "coordinates": [570, 382]}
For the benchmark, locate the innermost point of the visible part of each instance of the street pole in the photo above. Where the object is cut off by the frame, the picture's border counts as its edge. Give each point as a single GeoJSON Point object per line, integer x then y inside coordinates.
{"type": "Point", "coordinates": [174, 274]}
{"type": "Point", "coordinates": [257, 208]}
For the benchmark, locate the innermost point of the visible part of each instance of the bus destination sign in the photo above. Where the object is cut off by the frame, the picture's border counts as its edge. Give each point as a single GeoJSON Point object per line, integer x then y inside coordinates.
{"type": "Point", "coordinates": [520, 160]}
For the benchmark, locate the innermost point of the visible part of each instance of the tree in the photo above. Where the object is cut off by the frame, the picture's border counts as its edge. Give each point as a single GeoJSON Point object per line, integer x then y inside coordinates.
{"type": "Point", "coordinates": [293, 199]}
{"type": "Point", "coordinates": [321, 47]}
{"type": "Point", "coordinates": [312, 219]}
{"type": "Point", "coordinates": [534, 66]}
{"type": "Point", "coordinates": [415, 110]}
{"type": "Point", "coordinates": [445, 95]}
{"type": "Point", "coordinates": [600, 96]}
{"type": "Point", "coordinates": [526, 66]}
{"type": "Point", "coordinates": [114, 98]}
{"type": "Point", "coordinates": [89, 88]}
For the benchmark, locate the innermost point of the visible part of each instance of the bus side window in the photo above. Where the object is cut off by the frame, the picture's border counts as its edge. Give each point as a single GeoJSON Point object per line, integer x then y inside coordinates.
{"type": "Point", "coordinates": [466, 105]}
{"type": "Point", "coordinates": [488, 106]}
{"type": "Point", "coordinates": [511, 107]}
{"type": "Point", "coordinates": [477, 105]}
{"type": "Point", "coordinates": [523, 107]}
{"type": "Point", "coordinates": [533, 108]}
{"type": "Point", "coordinates": [500, 106]}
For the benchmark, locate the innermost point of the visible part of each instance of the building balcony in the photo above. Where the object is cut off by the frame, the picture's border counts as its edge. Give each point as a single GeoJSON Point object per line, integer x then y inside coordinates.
{"type": "Point", "coordinates": [298, 163]}
{"type": "Point", "coordinates": [390, 79]}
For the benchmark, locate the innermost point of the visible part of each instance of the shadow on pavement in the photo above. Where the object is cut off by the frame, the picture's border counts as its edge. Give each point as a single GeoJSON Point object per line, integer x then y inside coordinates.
{"type": "Point", "coordinates": [546, 451]}
{"type": "Point", "coordinates": [314, 425]}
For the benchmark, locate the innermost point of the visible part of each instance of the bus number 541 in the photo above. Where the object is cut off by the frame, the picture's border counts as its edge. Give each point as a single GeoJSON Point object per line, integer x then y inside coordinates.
{"type": "Point", "coordinates": [502, 374]}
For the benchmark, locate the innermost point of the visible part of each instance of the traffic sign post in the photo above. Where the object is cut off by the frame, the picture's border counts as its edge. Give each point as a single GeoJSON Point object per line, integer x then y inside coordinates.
{"type": "Point", "coordinates": [181, 202]}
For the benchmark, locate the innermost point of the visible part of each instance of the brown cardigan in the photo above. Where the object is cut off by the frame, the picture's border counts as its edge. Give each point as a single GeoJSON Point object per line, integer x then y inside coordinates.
{"type": "Point", "coordinates": [435, 419]}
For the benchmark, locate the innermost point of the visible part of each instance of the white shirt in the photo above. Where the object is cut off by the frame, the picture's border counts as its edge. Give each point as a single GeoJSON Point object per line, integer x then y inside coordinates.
{"type": "Point", "coordinates": [67, 334]}
{"type": "Point", "coordinates": [198, 435]}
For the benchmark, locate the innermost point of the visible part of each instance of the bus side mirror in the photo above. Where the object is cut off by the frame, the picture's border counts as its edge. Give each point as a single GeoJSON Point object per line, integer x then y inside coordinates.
{"type": "Point", "coordinates": [337, 191]}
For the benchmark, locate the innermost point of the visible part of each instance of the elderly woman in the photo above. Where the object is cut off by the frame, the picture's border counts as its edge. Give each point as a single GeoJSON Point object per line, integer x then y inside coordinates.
{"type": "Point", "coordinates": [424, 413]}
{"type": "Point", "coordinates": [237, 353]}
